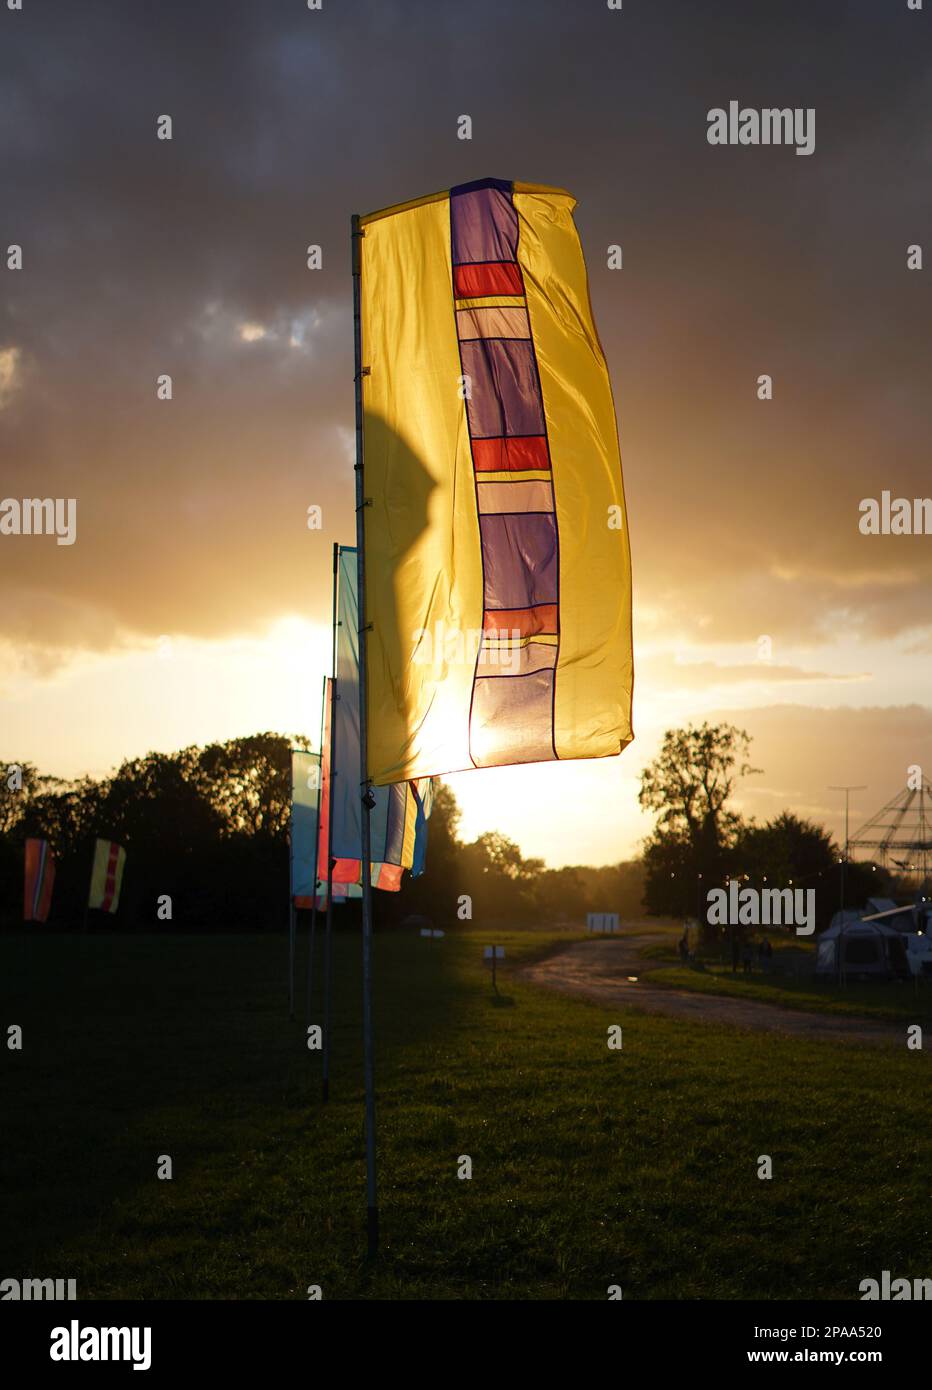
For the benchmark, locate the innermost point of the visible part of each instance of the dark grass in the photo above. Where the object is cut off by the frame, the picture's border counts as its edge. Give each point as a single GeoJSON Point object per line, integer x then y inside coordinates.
{"type": "Point", "coordinates": [590, 1167]}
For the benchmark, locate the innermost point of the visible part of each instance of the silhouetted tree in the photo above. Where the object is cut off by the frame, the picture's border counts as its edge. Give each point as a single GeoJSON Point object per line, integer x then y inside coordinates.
{"type": "Point", "coordinates": [18, 782]}
{"type": "Point", "coordinates": [247, 782]}
{"type": "Point", "coordinates": [688, 784]}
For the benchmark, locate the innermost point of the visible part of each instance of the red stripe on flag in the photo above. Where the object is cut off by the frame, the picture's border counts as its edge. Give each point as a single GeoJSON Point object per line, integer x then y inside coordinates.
{"type": "Point", "coordinates": [493, 277]}
{"type": "Point", "coordinates": [110, 881]}
{"type": "Point", "coordinates": [517, 454]}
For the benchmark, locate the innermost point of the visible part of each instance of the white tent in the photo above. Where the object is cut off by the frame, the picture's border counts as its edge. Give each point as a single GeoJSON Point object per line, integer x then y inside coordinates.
{"type": "Point", "coordinates": [861, 950]}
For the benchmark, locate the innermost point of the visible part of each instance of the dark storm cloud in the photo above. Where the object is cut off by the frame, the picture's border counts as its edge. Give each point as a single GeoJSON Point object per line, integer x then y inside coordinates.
{"type": "Point", "coordinates": [143, 257]}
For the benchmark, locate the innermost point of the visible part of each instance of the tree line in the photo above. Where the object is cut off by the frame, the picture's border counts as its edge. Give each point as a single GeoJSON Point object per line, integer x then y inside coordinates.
{"type": "Point", "coordinates": [208, 828]}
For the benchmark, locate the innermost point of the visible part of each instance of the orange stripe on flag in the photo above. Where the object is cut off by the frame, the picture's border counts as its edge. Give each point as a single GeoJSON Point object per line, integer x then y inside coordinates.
{"type": "Point", "coordinates": [527, 622]}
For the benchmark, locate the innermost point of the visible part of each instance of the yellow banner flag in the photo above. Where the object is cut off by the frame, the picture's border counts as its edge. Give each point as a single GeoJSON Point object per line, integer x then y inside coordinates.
{"type": "Point", "coordinates": [107, 875]}
{"type": "Point", "coordinates": [497, 558]}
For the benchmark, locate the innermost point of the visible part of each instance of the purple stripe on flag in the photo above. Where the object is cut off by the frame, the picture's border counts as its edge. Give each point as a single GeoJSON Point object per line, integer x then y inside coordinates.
{"type": "Point", "coordinates": [504, 392]}
{"type": "Point", "coordinates": [512, 719]}
{"type": "Point", "coordinates": [511, 715]}
{"type": "Point", "coordinates": [485, 225]}
{"type": "Point", "coordinates": [519, 560]}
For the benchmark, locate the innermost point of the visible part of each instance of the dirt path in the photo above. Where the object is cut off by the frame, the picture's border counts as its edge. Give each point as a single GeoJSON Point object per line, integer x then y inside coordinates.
{"type": "Point", "coordinates": [599, 970]}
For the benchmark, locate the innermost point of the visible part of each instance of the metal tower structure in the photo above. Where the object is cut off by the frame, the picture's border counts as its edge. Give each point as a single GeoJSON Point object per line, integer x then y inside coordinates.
{"type": "Point", "coordinates": [900, 834]}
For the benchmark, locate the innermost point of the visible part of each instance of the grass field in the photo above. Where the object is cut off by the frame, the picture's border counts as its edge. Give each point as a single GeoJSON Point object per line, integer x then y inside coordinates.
{"type": "Point", "coordinates": [590, 1167]}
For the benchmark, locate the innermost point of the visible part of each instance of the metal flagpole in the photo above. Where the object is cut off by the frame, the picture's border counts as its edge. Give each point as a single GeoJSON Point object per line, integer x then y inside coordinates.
{"type": "Point", "coordinates": [90, 884]}
{"type": "Point", "coordinates": [291, 933]}
{"type": "Point", "coordinates": [372, 1222]}
{"type": "Point", "coordinates": [844, 865]}
{"type": "Point", "coordinates": [291, 918]}
{"type": "Point", "coordinates": [328, 934]}
{"type": "Point", "coordinates": [310, 947]}
{"type": "Point", "coordinates": [329, 921]}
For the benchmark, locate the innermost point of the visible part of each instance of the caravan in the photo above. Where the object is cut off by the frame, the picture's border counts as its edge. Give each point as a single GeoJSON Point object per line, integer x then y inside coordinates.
{"type": "Point", "coordinates": [878, 942]}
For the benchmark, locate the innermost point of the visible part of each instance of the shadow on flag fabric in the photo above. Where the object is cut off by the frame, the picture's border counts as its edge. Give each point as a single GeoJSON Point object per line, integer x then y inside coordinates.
{"type": "Point", "coordinates": [107, 875]}
{"type": "Point", "coordinates": [496, 538]}
{"type": "Point", "coordinates": [394, 818]}
{"type": "Point", "coordinates": [305, 792]}
{"type": "Point", "coordinates": [39, 881]}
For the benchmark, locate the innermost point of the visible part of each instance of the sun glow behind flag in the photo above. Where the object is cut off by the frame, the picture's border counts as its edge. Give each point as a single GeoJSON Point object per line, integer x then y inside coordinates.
{"type": "Point", "coordinates": [499, 591]}
{"type": "Point", "coordinates": [39, 881]}
{"type": "Point", "coordinates": [107, 875]}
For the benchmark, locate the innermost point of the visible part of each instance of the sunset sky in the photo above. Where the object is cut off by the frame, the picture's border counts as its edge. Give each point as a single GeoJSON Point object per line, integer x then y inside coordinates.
{"type": "Point", "coordinates": [195, 604]}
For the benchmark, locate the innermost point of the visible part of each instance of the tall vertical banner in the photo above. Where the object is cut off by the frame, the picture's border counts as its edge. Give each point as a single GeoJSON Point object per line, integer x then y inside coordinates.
{"type": "Point", "coordinates": [39, 881]}
{"type": "Point", "coordinates": [305, 794]}
{"type": "Point", "coordinates": [496, 535]}
{"type": "Point", "coordinates": [346, 868]}
{"type": "Point", "coordinates": [396, 811]}
{"type": "Point", "coordinates": [344, 742]}
{"type": "Point", "coordinates": [107, 875]}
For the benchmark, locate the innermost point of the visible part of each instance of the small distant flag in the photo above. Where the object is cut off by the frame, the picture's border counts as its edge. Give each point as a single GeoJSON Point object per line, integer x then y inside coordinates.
{"type": "Point", "coordinates": [346, 868]}
{"type": "Point", "coordinates": [40, 879]}
{"type": "Point", "coordinates": [107, 875]}
{"type": "Point", "coordinates": [305, 794]}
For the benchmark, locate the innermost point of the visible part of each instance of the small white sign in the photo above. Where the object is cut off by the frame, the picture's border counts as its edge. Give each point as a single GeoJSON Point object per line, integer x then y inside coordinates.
{"type": "Point", "coordinates": [437, 933]}
{"type": "Point", "coordinates": [426, 931]}
{"type": "Point", "coordinates": [498, 952]}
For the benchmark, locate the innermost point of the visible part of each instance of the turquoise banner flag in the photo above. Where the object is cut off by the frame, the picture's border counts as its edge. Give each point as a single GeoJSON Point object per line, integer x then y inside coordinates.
{"type": "Point", "coordinates": [398, 809]}
{"type": "Point", "coordinates": [305, 795]}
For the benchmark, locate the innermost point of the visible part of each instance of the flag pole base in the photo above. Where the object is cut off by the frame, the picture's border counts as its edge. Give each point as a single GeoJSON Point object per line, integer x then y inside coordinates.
{"type": "Point", "coordinates": [372, 1231]}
